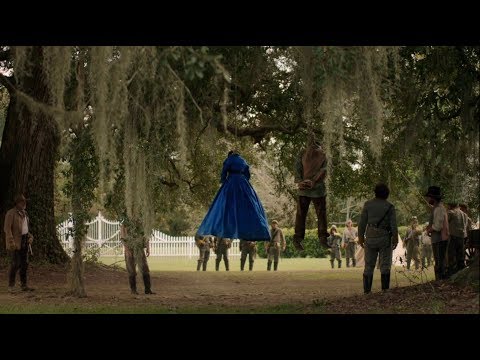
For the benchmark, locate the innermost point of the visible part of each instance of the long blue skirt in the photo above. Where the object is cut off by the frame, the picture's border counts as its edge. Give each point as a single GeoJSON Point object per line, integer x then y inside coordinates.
{"type": "Point", "coordinates": [236, 212]}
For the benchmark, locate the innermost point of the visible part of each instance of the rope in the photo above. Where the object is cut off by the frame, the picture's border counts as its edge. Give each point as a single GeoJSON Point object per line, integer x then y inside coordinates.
{"type": "Point", "coordinates": [235, 109]}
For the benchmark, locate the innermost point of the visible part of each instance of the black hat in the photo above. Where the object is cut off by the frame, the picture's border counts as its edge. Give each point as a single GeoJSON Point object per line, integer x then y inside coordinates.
{"type": "Point", "coordinates": [434, 192]}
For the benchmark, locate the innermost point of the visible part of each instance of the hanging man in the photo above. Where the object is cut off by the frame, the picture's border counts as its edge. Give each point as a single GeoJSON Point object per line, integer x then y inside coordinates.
{"type": "Point", "coordinates": [311, 169]}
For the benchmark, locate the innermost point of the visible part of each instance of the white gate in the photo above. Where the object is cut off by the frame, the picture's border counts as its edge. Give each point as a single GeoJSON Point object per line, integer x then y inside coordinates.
{"type": "Point", "coordinates": [104, 235]}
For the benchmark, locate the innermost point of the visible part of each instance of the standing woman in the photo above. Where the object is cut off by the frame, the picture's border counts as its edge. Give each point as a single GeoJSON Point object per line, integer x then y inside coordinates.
{"type": "Point", "coordinates": [236, 211]}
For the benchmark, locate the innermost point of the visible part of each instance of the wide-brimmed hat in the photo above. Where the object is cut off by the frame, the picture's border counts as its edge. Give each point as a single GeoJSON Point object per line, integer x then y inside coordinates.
{"type": "Point", "coordinates": [274, 222]}
{"type": "Point", "coordinates": [434, 192]}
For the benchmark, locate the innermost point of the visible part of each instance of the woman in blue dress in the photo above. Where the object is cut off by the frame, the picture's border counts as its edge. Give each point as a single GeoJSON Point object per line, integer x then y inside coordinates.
{"type": "Point", "coordinates": [236, 211]}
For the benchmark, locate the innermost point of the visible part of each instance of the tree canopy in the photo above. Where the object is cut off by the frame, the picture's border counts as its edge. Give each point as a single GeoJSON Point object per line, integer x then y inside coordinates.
{"type": "Point", "coordinates": [163, 118]}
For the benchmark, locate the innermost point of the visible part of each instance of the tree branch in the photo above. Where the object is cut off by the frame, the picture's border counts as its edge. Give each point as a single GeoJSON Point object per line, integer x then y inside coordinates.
{"type": "Point", "coordinates": [259, 132]}
{"type": "Point", "coordinates": [169, 183]}
{"type": "Point", "coordinates": [186, 181]}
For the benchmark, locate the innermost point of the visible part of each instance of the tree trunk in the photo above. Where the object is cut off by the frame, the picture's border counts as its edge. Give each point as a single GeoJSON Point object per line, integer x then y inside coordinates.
{"type": "Point", "coordinates": [76, 276]}
{"type": "Point", "coordinates": [27, 161]}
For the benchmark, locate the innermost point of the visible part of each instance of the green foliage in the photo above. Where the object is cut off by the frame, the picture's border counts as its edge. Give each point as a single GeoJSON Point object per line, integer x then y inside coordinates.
{"type": "Point", "coordinates": [91, 255]}
{"type": "Point", "coordinates": [82, 175]}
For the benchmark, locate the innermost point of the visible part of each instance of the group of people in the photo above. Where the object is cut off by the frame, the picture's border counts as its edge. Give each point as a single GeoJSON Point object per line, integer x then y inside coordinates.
{"type": "Point", "coordinates": [237, 213]}
{"type": "Point", "coordinates": [347, 241]}
{"type": "Point", "coordinates": [248, 249]}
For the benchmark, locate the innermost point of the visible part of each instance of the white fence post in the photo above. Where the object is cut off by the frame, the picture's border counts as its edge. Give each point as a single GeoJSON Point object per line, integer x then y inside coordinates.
{"type": "Point", "coordinates": [109, 244]}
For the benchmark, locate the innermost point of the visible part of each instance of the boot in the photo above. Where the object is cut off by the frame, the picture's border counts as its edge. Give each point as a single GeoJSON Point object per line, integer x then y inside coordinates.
{"type": "Point", "coordinates": [226, 264]}
{"type": "Point", "coordinates": [331, 262]}
{"type": "Point", "coordinates": [199, 265]}
{"type": "Point", "coordinates": [367, 283]}
{"type": "Point", "coordinates": [408, 264]}
{"type": "Point", "coordinates": [348, 262]}
{"type": "Point", "coordinates": [385, 281]}
{"type": "Point", "coordinates": [242, 264]}
{"type": "Point", "coordinates": [250, 266]}
{"type": "Point", "coordinates": [269, 265]}
{"type": "Point", "coordinates": [217, 264]}
{"type": "Point", "coordinates": [275, 265]}
{"type": "Point", "coordinates": [354, 262]}
{"type": "Point", "coordinates": [437, 275]}
{"type": "Point", "coordinates": [204, 265]}
{"type": "Point", "coordinates": [133, 284]}
{"type": "Point", "coordinates": [148, 285]}
{"type": "Point", "coordinates": [339, 263]}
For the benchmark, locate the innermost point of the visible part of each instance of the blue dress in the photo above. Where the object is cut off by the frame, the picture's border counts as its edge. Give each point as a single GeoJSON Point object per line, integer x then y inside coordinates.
{"type": "Point", "coordinates": [236, 211]}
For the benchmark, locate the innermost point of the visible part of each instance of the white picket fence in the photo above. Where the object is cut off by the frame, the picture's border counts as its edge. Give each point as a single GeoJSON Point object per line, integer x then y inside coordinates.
{"type": "Point", "coordinates": [104, 235]}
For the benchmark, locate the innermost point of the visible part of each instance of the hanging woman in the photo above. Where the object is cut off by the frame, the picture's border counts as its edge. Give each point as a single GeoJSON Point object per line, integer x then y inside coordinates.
{"type": "Point", "coordinates": [236, 211]}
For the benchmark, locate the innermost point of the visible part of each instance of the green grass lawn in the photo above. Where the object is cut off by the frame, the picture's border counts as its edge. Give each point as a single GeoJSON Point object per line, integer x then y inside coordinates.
{"type": "Point", "coordinates": [292, 264]}
{"type": "Point", "coordinates": [185, 264]}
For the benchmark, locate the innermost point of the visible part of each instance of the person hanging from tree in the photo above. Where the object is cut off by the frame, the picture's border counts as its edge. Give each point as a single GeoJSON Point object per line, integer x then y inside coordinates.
{"type": "Point", "coordinates": [311, 169]}
{"type": "Point", "coordinates": [236, 211]}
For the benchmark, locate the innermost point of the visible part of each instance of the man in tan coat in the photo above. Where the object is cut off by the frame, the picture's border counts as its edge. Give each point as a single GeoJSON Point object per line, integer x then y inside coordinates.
{"type": "Point", "coordinates": [18, 240]}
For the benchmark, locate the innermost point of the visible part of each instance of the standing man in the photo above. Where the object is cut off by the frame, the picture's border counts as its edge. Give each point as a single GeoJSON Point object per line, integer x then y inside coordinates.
{"type": "Point", "coordinates": [276, 245]}
{"type": "Point", "coordinates": [412, 243]}
{"type": "Point", "coordinates": [378, 225]}
{"type": "Point", "coordinates": [221, 246]}
{"type": "Point", "coordinates": [457, 224]}
{"type": "Point", "coordinates": [438, 228]}
{"type": "Point", "coordinates": [311, 169]}
{"type": "Point", "coordinates": [426, 253]}
{"type": "Point", "coordinates": [334, 242]}
{"type": "Point", "coordinates": [350, 235]}
{"type": "Point", "coordinates": [135, 245]}
{"type": "Point", "coordinates": [247, 248]}
{"type": "Point", "coordinates": [18, 240]}
{"type": "Point", "coordinates": [204, 243]}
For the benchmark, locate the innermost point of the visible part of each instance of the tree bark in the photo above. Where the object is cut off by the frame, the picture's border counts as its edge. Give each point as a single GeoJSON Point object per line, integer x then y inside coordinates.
{"type": "Point", "coordinates": [27, 161]}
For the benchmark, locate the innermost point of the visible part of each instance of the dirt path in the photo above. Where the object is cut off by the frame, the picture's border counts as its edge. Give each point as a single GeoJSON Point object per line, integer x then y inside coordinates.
{"type": "Point", "coordinates": [299, 291]}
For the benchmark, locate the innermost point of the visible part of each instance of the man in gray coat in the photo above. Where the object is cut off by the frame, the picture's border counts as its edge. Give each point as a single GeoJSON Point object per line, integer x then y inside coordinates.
{"type": "Point", "coordinates": [378, 234]}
